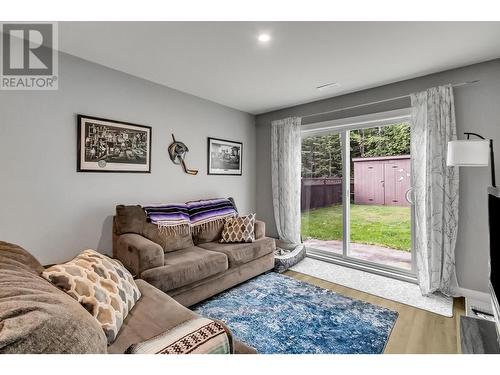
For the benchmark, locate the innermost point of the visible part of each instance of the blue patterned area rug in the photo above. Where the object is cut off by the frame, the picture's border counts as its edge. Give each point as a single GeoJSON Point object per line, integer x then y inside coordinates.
{"type": "Point", "coordinates": [277, 314]}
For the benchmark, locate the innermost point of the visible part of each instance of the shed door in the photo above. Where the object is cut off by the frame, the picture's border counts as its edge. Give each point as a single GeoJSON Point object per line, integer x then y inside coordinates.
{"type": "Point", "coordinates": [369, 183]}
{"type": "Point", "coordinates": [397, 182]}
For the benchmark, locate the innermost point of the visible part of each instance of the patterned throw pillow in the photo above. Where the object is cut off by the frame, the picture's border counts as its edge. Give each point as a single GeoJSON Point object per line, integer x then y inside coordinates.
{"type": "Point", "coordinates": [102, 285]}
{"type": "Point", "coordinates": [239, 229]}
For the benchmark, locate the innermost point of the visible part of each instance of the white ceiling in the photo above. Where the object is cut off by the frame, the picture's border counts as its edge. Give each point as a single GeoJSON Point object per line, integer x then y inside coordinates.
{"type": "Point", "coordinates": [224, 62]}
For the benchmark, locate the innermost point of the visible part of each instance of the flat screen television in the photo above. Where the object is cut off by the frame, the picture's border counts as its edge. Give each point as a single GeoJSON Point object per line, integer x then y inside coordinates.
{"type": "Point", "coordinates": [494, 229]}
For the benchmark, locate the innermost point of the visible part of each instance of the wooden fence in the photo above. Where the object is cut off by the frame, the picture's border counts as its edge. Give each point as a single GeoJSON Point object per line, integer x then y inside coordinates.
{"type": "Point", "coordinates": [321, 192]}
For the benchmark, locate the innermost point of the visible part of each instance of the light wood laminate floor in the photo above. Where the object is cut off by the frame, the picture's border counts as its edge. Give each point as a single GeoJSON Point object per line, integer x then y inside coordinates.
{"type": "Point", "coordinates": [416, 331]}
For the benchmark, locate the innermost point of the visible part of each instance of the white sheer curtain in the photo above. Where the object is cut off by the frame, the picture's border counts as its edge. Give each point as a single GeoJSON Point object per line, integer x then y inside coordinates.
{"type": "Point", "coordinates": [286, 163]}
{"type": "Point", "coordinates": [435, 189]}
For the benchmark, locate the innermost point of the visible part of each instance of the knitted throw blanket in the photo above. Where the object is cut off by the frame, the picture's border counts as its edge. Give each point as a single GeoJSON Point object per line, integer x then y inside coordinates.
{"type": "Point", "coordinates": [192, 216]}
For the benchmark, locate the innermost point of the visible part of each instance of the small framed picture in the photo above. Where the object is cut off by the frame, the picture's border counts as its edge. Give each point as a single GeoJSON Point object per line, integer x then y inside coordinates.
{"type": "Point", "coordinates": [112, 146]}
{"type": "Point", "coordinates": [224, 157]}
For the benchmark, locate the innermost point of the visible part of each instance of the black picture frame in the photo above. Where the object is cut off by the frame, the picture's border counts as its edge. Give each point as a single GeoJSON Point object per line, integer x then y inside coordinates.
{"type": "Point", "coordinates": [106, 163]}
{"type": "Point", "coordinates": [224, 165]}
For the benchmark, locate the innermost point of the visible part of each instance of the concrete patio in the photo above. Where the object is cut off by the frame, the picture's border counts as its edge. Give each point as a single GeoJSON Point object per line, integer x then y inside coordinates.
{"type": "Point", "coordinates": [372, 253]}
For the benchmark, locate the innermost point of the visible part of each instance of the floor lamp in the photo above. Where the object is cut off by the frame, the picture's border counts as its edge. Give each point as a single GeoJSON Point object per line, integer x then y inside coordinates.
{"type": "Point", "coordinates": [472, 153]}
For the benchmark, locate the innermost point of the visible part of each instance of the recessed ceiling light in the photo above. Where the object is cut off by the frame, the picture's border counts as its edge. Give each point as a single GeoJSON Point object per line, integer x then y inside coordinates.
{"type": "Point", "coordinates": [264, 38]}
{"type": "Point", "coordinates": [328, 86]}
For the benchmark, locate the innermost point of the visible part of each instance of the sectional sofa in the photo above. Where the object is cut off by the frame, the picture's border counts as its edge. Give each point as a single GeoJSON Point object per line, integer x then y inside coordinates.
{"type": "Point", "coordinates": [37, 317]}
{"type": "Point", "coordinates": [188, 267]}
{"type": "Point", "coordinates": [171, 271]}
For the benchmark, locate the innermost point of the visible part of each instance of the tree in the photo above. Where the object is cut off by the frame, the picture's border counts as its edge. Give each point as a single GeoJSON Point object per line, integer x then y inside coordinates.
{"type": "Point", "coordinates": [322, 155]}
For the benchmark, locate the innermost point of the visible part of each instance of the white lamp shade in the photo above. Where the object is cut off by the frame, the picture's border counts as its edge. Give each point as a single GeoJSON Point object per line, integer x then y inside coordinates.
{"type": "Point", "coordinates": [468, 153]}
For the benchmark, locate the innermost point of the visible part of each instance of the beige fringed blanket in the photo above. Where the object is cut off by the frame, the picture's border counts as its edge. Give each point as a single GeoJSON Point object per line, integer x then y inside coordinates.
{"type": "Point", "coordinates": [196, 336]}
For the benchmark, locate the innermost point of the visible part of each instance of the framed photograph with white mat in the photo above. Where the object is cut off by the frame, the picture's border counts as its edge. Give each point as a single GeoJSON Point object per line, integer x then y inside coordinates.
{"type": "Point", "coordinates": [224, 157]}
{"type": "Point", "coordinates": [112, 146]}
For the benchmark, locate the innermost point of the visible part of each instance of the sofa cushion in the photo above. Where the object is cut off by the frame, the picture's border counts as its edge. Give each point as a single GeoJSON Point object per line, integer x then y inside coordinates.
{"type": "Point", "coordinates": [129, 219]}
{"type": "Point", "coordinates": [240, 253]}
{"type": "Point", "coordinates": [15, 256]}
{"type": "Point", "coordinates": [153, 314]}
{"type": "Point", "coordinates": [168, 240]}
{"type": "Point", "coordinates": [210, 233]}
{"type": "Point", "coordinates": [36, 317]}
{"type": "Point", "coordinates": [183, 267]}
{"type": "Point", "coordinates": [102, 285]}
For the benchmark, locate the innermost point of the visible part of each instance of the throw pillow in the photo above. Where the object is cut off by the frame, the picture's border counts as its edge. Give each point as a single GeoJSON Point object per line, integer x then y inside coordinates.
{"type": "Point", "coordinates": [196, 336]}
{"type": "Point", "coordinates": [102, 285]}
{"type": "Point", "coordinates": [239, 229]}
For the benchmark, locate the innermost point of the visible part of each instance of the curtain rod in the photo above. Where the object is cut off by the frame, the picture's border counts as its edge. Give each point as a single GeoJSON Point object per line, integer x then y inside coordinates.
{"type": "Point", "coordinates": [461, 84]}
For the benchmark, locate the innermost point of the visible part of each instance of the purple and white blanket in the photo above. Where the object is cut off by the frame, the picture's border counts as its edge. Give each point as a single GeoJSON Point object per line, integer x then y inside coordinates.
{"type": "Point", "coordinates": [172, 217]}
{"type": "Point", "coordinates": [206, 212]}
{"type": "Point", "coordinates": [194, 215]}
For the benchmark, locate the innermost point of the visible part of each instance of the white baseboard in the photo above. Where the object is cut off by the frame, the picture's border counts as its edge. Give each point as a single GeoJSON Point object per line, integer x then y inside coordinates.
{"type": "Point", "coordinates": [473, 294]}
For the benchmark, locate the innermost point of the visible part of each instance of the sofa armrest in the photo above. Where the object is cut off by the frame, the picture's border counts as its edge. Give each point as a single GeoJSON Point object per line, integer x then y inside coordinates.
{"type": "Point", "coordinates": [138, 254]}
{"type": "Point", "coordinates": [242, 348]}
{"type": "Point", "coordinates": [259, 229]}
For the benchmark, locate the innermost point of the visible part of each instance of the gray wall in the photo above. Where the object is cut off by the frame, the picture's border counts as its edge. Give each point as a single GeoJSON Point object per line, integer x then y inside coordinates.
{"type": "Point", "coordinates": [477, 109]}
{"type": "Point", "coordinates": [49, 208]}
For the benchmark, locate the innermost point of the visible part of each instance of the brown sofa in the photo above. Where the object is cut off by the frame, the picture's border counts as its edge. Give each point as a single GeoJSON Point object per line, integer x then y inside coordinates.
{"type": "Point", "coordinates": [37, 317]}
{"type": "Point", "coordinates": [190, 268]}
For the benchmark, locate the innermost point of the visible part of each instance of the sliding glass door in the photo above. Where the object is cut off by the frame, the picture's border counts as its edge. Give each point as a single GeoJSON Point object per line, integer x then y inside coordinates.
{"type": "Point", "coordinates": [322, 192]}
{"type": "Point", "coordinates": [356, 187]}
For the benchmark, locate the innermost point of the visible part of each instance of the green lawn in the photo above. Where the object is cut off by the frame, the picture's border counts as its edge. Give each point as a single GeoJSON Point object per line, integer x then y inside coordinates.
{"type": "Point", "coordinates": [387, 226]}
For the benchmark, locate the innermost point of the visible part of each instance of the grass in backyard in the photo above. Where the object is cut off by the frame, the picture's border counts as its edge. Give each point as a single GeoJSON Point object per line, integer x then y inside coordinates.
{"type": "Point", "coordinates": [387, 226]}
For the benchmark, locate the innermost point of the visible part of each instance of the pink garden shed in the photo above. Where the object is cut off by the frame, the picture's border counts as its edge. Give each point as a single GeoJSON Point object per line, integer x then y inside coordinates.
{"type": "Point", "coordinates": [383, 180]}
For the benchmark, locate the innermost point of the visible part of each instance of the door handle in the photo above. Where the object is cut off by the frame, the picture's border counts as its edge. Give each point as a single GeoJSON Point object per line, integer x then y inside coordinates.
{"type": "Point", "coordinates": [409, 195]}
